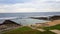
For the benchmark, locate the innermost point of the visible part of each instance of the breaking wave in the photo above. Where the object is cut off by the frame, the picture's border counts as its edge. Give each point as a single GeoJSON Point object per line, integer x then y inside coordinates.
{"type": "Point", "coordinates": [8, 18]}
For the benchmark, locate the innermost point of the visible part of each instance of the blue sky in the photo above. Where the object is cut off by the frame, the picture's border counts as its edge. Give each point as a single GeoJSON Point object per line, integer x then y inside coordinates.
{"type": "Point", "coordinates": [13, 6]}
{"type": "Point", "coordinates": [13, 1]}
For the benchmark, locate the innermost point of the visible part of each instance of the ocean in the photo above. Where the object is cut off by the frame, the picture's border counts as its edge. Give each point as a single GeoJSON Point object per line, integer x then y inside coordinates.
{"type": "Point", "coordinates": [24, 18]}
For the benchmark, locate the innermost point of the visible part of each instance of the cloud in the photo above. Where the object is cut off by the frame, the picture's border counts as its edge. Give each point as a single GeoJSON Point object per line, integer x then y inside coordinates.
{"type": "Point", "coordinates": [33, 6]}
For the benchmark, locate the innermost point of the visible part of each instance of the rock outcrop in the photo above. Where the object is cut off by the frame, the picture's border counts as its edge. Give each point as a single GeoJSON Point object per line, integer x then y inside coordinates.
{"type": "Point", "coordinates": [40, 18]}
{"type": "Point", "coordinates": [8, 24]}
{"type": "Point", "coordinates": [55, 17]}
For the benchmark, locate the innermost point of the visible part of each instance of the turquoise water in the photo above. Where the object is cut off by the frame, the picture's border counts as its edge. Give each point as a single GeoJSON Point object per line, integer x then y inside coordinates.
{"type": "Point", "coordinates": [29, 21]}
{"type": "Point", "coordinates": [25, 21]}
{"type": "Point", "coordinates": [23, 18]}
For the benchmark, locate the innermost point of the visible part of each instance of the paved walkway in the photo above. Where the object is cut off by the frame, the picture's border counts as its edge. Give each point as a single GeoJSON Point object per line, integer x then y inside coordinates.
{"type": "Point", "coordinates": [42, 30]}
{"type": "Point", "coordinates": [56, 31]}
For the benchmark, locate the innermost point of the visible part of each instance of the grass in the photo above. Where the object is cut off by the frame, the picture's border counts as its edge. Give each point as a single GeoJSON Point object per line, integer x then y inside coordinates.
{"type": "Point", "coordinates": [23, 30]}
{"type": "Point", "coordinates": [27, 30]}
{"type": "Point", "coordinates": [52, 27]}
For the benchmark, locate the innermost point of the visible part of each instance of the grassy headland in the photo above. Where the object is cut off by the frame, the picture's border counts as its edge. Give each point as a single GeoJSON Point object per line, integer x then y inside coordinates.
{"type": "Point", "coordinates": [52, 27]}
{"type": "Point", "coordinates": [27, 30]}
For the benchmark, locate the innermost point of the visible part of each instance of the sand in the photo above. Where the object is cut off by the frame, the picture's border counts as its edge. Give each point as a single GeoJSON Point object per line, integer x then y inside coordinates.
{"type": "Point", "coordinates": [52, 23]}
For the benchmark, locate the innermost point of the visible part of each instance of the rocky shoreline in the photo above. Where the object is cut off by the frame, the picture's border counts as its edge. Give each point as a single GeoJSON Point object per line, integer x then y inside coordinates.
{"type": "Point", "coordinates": [8, 25]}
{"type": "Point", "coordinates": [55, 17]}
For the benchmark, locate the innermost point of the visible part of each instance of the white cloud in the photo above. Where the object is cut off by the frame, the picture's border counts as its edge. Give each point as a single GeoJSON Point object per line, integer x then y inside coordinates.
{"type": "Point", "coordinates": [33, 6]}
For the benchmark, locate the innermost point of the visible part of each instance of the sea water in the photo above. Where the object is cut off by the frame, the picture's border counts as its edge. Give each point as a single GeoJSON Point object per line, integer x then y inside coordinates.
{"type": "Point", "coordinates": [24, 18]}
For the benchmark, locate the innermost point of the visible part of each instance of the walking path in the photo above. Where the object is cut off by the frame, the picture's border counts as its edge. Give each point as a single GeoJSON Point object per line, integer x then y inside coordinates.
{"type": "Point", "coordinates": [56, 31]}
{"type": "Point", "coordinates": [42, 30]}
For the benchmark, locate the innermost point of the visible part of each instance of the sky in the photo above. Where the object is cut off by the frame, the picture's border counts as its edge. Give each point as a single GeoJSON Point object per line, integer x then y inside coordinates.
{"type": "Point", "coordinates": [16, 6]}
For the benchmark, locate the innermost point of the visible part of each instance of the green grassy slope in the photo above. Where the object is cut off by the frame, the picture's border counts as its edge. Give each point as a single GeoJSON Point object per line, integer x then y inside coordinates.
{"type": "Point", "coordinates": [52, 27]}
{"type": "Point", "coordinates": [27, 30]}
{"type": "Point", "coordinates": [23, 30]}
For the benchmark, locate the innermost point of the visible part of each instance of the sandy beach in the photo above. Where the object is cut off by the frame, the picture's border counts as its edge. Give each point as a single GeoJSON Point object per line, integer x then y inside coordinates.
{"type": "Point", "coordinates": [52, 23]}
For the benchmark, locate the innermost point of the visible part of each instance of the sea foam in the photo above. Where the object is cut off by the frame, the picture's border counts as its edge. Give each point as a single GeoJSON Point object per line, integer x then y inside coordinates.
{"type": "Point", "coordinates": [8, 18]}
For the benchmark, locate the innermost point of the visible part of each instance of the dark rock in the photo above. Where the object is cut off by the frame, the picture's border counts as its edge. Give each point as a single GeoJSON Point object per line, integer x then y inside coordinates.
{"type": "Point", "coordinates": [40, 18]}
{"type": "Point", "coordinates": [56, 17]}
{"type": "Point", "coordinates": [9, 22]}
